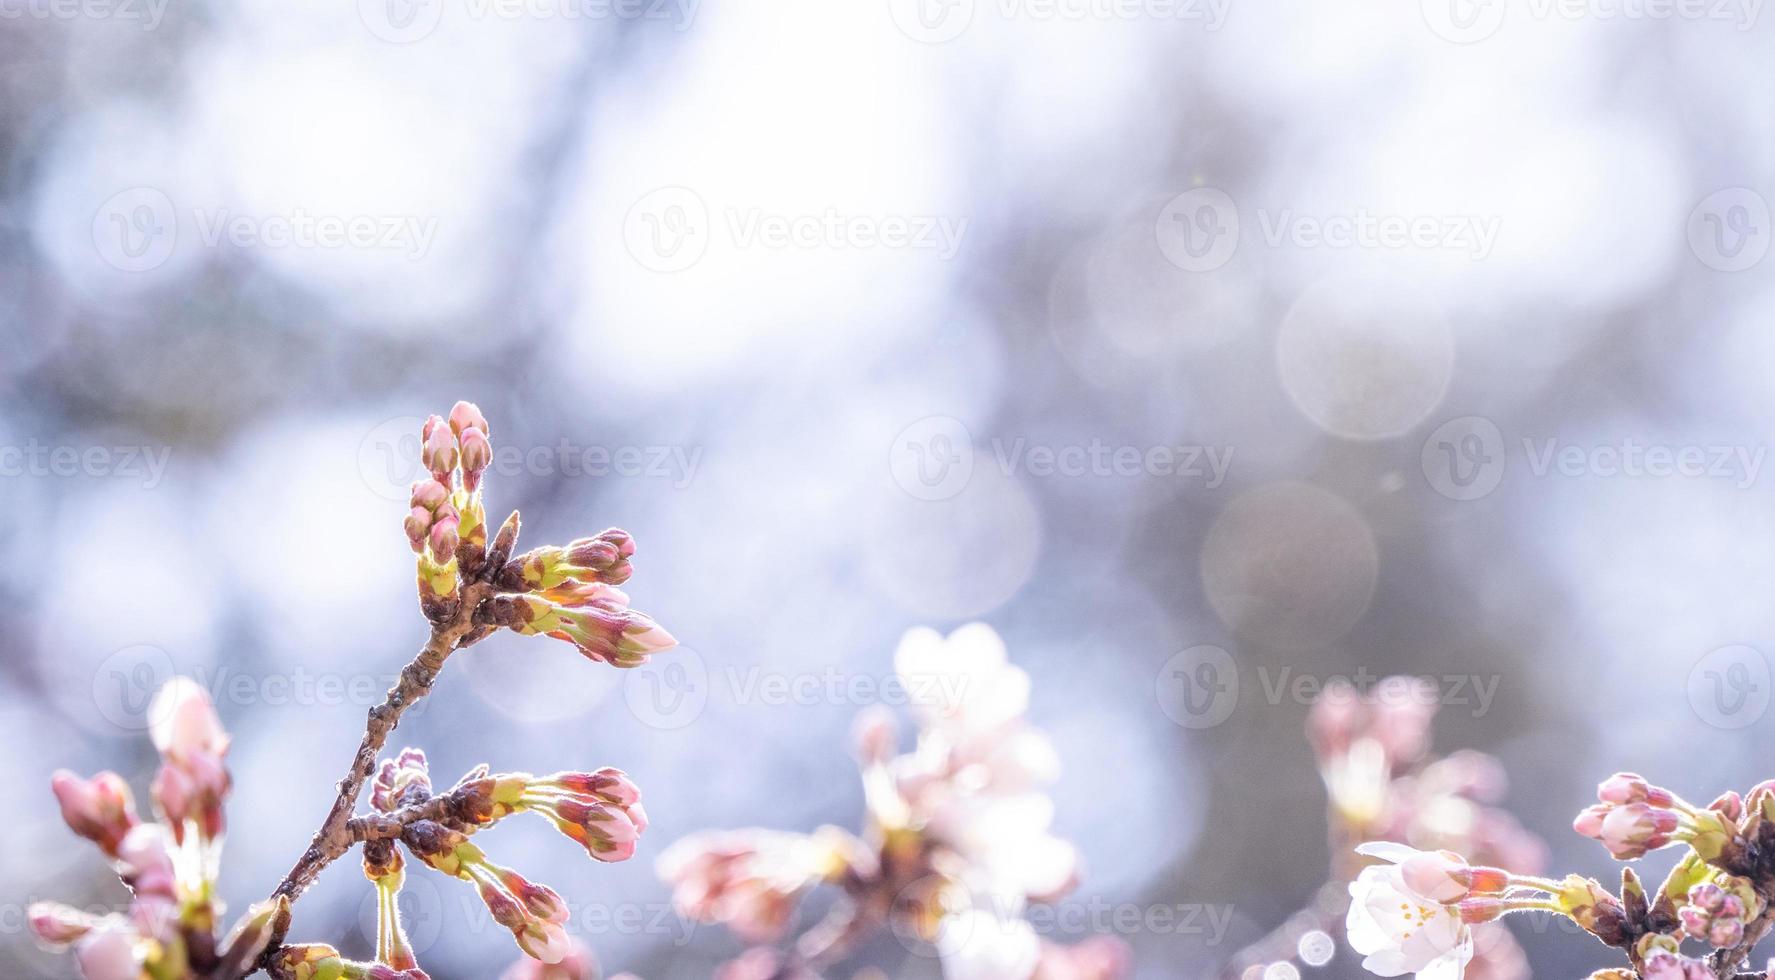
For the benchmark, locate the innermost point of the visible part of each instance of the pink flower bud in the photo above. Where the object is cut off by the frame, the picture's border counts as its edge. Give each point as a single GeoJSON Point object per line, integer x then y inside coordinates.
{"type": "Point", "coordinates": [99, 809]}
{"type": "Point", "coordinates": [608, 785]}
{"type": "Point", "coordinates": [183, 721]}
{"type": "Point", "coordinates": [109, 953]}
{"type": "Point", "coordinates": [1726, 932]}
{"type": "Point", "coordinates": [477, 455]}
{"type": "Point", "coordinates": [437, 451]}
{"type": "Point", "coordinates": [58, 925]}
{"type": "Point", "coordinates": [1440, 876]}
{"type": "Point", "coordinates": [1630, 831]}
{"type": "Point", "coordinates": [1709, 897]}
{"type": "Point", "coordinates": [465, 416]}
{"type": "Point", "coordinates": [1589, 821]}
{"type": "Point", "coordinates": [605, 557]}
{"type": "Point", "coordinates": [1729, 805]}
{"type": "Point", "coordinates": [442, 539]}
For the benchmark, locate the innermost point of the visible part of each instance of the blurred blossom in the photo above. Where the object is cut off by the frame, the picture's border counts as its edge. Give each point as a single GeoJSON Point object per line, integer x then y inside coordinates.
{"type": "Point", "coordinates": [1291, 564]}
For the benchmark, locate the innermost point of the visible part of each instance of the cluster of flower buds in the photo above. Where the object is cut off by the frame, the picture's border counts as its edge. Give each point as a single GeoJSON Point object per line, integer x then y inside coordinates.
{"type": "Point", "coordinates": [1668, 964]}
{"type": "Point", "coordinates": [193, 783]}
{"type": "Point", "coordinates": [602, 558]}
{"type": "Point", "coordinates": [170, 866]}
{"type": "Point", "coordinates": [569, 593]}
{"type": "Point", "coordinates": [1718, 911]}
{"type": "Point", "coordinates": [1634, 817]}
{"type": "Point", "coordinates": [446, 522]}
{"type": "Point", "coordinates": [401, 781]}
{"type": "Point", "coordinates": [600, 810]}
{"type": "Point", "coordinates": [592, 616]}
{"type": "Point", "coordinates": [534, 913]}
{"type": "Point", "coordinates": [318, 961]}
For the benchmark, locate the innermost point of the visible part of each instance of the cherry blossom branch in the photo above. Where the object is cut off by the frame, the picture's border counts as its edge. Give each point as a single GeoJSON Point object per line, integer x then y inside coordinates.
{"type": "Point", "coordinates": [335, 837]}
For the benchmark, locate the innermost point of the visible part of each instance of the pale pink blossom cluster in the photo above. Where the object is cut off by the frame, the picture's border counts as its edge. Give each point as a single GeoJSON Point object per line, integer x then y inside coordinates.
{"type": "Point", "coordinates": [169, 864]}
{"type": "Point", "coordinates": [955, 844]}
{"type": "Point", "coordinates": [1383, 785]}
{"type": "Point", "coordinates": [1413, 915]}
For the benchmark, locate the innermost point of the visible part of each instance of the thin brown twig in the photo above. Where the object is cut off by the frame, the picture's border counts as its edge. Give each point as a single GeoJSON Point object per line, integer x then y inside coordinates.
{"type": "Point", "coordinates": [335, 837]}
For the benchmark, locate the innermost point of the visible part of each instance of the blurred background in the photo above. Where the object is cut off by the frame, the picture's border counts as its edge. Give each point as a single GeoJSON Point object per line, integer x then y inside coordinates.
{"type": "Point", "coordinates": [1198, 347]}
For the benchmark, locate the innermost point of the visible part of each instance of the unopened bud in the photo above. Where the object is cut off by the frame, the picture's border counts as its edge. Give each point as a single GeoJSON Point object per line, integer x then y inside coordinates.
{"type": "Point", "coordinates": [59, 925]}
{"type": "Point", "coordinates": [437, 452]}
{"type": "Point", "coordinates": [99, 809]}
